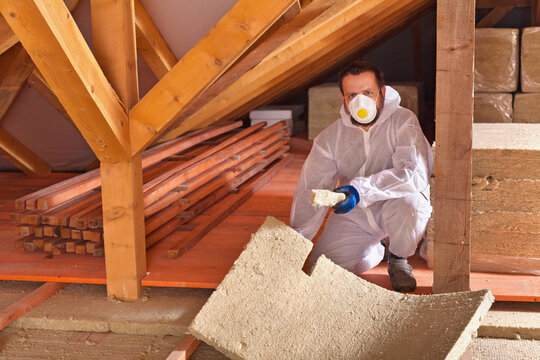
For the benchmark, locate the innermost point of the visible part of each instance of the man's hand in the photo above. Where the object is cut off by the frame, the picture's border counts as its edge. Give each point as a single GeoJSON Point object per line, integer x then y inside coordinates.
{"type": "Point", "coordinates": [349, 203]}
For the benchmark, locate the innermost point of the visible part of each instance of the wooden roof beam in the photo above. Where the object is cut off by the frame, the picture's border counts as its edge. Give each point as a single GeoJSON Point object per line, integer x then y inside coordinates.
{"type": "Point", "coordinates": [494, 16]}
{"type": "Point", "coordinates": [8, 37]}
{"type": "Point", "coordinates": [15, 67]}
{"type": "Point", "coordinates": [21, 156]}
{"type": "Point", "coordinates": [200, 67]}
{"type": "Point", "coordinates": [151, 44]}
{"type": "Point", "coordinates": [535, 12]}
{"type": "Point", "coordinates": [61, 54]}
{"type": "Point", "coordinates": [327, 34]}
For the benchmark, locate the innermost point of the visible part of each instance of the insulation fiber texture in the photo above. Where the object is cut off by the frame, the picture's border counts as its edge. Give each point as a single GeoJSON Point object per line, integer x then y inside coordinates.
{"type": "Point", "coordinates": [268, 308]}
{"type": "Point", "coordinates": [530, 60]}
{"type": "Point", "coordinates": [492, 107]}
{"type": "Point", "coordinates": [527, 108]}
{"type": "Point", "coordinates": [326, 198]}
{"type": "Point", "coordinates": [496, 60]}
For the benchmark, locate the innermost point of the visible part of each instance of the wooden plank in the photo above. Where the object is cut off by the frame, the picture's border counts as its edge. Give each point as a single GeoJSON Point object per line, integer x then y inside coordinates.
{"type": "Point", "coordinates": [15, 67]}
{"type": "Point", "coordinates": [151, 44]}
{"type": "Point", "coordinates": [185, 349]}
{"type": "Point", "coordinates": [113, 38]}
{"type": "Point", "coordinates": [453, 162]}
{"type": "Point", "coordinates": [123, 223]}
{"type": "Point", "coordinates": [21, 156]}
{"type": "Point", "coordinates": [200, 67]}
{"type": "Point", "coordinates": [28, 302]}
{"type": "Point", "coordinates": [494, 16]}
{"type": "Point", "coordinates": [64, 59]}
{"type": "Point", "coordinates": [226, 207]}
{"type": "Point", "coordinates": [488, 4]}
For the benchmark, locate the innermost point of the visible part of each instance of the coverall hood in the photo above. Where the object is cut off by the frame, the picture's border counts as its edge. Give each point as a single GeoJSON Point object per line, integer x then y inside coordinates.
{"type": "Point", "coordinates": [391, 103]}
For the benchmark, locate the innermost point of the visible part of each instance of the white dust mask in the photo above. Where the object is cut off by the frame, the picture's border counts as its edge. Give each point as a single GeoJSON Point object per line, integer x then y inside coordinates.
{"type": "Point", "coordinates": [363, 109]}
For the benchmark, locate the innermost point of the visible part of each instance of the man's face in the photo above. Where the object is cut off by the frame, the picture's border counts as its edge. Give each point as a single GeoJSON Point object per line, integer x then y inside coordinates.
{"type": "Point", "coordinates": [364, 83]}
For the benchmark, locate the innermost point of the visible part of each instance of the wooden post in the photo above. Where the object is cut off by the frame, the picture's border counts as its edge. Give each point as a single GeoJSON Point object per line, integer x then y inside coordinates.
{"type": "Point", "coordinates": [113, 29]}
{"type": "Point", "coordinates": [453, 114]}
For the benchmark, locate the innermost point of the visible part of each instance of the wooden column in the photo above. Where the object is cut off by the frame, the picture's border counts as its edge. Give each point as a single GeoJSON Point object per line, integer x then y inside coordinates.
{"type": "Point", "coordinates": [113, 29]}
{"type": "Point", "coordinates": [453, 115]}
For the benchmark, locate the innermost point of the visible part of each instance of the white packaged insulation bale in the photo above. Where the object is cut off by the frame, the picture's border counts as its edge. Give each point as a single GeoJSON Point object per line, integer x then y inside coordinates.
{"type": "Point", "coordinates": [530, 60]}
{"type": "Point", "coordinates": [492, 107]}
{"type": "Point", "coordinates": [273, 116]}
{"type": "Point", "coordinates": [527, 108]}
{"type": "Point", "coordinates": [496, 60]}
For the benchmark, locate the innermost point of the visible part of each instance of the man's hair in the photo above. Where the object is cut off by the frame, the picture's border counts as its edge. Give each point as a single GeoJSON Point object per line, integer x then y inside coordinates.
{"type": "Point", "coordinates": [357, 67]}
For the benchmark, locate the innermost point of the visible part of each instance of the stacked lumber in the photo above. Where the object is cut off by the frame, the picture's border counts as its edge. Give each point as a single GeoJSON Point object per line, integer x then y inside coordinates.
{"type": "Point", "coordinates": [181, 179]}
{"type": "Point", "coordinates": [505, 217]}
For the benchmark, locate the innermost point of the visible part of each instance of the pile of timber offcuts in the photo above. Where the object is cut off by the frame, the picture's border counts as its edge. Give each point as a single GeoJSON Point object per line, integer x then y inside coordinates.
{"type": "Point", "coordinates": [181, 179]}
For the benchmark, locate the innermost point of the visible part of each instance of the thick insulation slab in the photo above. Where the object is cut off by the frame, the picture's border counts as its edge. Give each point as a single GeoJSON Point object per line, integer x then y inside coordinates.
{"type": "Point", "coordinates": [530, 60]}
{"type": "Point", "coordinates": [496, 60]}
{"type": "Point", "coordinates": [325, 102]}
{"type": "Point", "coordinates": [527, 108]}
{"type": "Point", "coordinates": [492, 107]}
{"type": "Point", "coordinates": [326, 198]}
{"type": "Point", "coordinates": [268, 308]}
{"type": "Point", "coordinates": [506, 151]}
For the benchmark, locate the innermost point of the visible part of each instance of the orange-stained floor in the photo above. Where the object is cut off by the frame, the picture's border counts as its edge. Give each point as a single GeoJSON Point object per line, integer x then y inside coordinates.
{"type": "Point", "coordinates": [208, 262]}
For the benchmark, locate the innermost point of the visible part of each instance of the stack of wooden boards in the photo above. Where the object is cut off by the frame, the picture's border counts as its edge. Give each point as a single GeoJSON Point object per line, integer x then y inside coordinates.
{"type": "Point", "coordinates": [507, 90]}
{"type": "Point", "coordinates": [505, 218]}
{"type": "Point", "coordinates": [181, 179]}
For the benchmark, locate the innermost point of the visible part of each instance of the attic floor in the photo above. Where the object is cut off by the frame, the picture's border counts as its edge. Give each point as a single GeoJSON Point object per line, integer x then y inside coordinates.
{"type": "Point", "coordinates": [79, 322]}
{"type": "Point", "coordinates": [207, 264]}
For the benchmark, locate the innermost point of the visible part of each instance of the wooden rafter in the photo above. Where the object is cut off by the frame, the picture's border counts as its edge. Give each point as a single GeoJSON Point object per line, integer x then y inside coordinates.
{"type": "Point", "coordinates": [200, 67]}
{"type": "Point", "coordinates": [151, 44]}
{"type": "Point", "coordinates": [61, 54]}
{"type": "Point", "coordinates": [22, 157]}
{"type": "Point", "coordinates": [273, 38]}
{"type": "Point", "coordinates": [453, 163]}
{"type": "Point", "coordinates": [330, 36]}
{"type": "Point", "coordinates": [8, 37]}
{"type": "Point", "coordinates": [15, 67]}
{"type": "Point", "coordinates": [494, 16]}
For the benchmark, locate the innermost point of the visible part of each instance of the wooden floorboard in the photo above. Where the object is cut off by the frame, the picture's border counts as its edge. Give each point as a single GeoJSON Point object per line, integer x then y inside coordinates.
{"type": "Point", "coordinates": [207, 263]}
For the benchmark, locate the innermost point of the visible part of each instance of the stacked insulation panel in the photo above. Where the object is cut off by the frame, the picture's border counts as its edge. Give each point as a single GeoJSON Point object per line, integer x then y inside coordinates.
{"type": "Point", "coordinates": [181, 179]}
{"type": "Point", "coordinates": [527, 103]}
{"type": "Point", "coordinates": [505, 218]}
{"type": "Point", "coordinates": [495, 74]}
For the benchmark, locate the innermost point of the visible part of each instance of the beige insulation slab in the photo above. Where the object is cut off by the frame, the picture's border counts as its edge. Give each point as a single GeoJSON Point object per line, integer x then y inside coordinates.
{"type": "Point", "coordinates": [268, 308]}
{"type": "Point", "coordinates": [527, 108]}
{"type": "Point", "coordinates": [325, 102]}
{"type": "Point", "coordinates": [530, 59]}
{"type": "Point", "coordinates": [506, 151]}
{"type": "Point", "coordinates": [512, 320]}
{"type": "Point", "coordinates": [496, 60]}
{"type": "Point", "coordinates": [492, 107]}
{"type": "Point", "coordinates": [325, 198]}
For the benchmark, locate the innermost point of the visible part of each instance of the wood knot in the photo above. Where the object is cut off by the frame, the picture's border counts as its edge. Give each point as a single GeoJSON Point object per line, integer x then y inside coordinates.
{"type": "Point", "coordinates": [175, 99]}
{"type": "Point", "coordinates": [243, 27]}
{"type": "Point", "coordinates": [12, 14]}
{"type": "Point", "coordinates": [92, 89]}
{"type": "Point", "coordinates": [218, 62]}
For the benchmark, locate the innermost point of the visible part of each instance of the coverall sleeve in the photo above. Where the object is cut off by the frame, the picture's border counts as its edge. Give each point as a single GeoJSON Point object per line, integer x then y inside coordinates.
{"type": "Point", "coordinates": [319, 172]}
{"type": "Point", "coordinates": [410, 173]}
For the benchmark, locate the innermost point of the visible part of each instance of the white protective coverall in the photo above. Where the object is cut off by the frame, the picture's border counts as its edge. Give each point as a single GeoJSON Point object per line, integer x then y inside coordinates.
{"type": "Point", "coordinates": [390, 166]}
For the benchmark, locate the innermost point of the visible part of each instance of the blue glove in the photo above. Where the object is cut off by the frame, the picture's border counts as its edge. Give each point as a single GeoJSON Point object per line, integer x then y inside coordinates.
{"type": "Point", "coordinates": [350, 201]}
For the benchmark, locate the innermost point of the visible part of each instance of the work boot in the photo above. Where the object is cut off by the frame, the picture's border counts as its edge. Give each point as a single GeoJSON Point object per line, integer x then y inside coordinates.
{"type": "Point", "coordinates": [401, 275]}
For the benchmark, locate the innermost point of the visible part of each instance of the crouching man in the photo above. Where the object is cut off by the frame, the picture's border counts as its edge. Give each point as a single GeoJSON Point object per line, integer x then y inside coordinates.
{"type": "Point", "coordinates": [380, 158]}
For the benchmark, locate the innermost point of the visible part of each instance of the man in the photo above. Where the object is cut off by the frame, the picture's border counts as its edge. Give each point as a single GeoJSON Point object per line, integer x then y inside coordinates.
{"type": "Point", "coordinates": [383, 162]}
